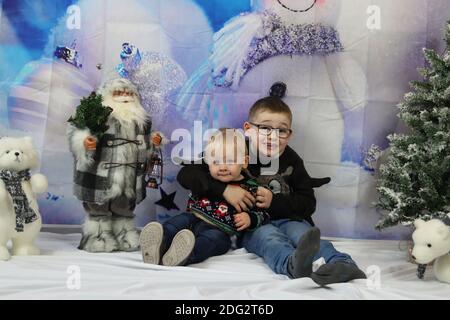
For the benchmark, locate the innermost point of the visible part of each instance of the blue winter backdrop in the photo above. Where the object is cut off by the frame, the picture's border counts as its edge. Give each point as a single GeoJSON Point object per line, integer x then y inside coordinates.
{"type": "Point", "coordinates": [346, 63]}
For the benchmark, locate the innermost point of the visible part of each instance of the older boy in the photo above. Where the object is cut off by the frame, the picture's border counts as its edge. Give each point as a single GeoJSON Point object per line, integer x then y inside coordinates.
{"type": "Point", "coordinates": [290, 236]}
{"type": "Point", "coordinates": [289, 243]}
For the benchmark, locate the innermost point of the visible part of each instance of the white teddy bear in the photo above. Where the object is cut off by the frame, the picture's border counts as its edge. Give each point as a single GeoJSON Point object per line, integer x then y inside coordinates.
{"type": "Point", "coordinates": [432, 241]}
{"type": "Point", "coordinates": [20, 220]}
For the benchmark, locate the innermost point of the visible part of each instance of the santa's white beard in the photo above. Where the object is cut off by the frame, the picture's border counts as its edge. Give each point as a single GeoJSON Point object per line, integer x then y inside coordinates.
{"type": "Point", "coordinates": [126, 112]}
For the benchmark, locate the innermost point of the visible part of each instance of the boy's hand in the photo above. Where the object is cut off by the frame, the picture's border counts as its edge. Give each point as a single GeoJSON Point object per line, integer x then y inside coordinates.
{"type": "Point", "coordinates": [239, 198]}
{"type": "Point", "coordinates": [90, 143]}
{"type": "Point", "coordinates": [241, 221]}
{"type": "Point", "coordinates": [263, 198]}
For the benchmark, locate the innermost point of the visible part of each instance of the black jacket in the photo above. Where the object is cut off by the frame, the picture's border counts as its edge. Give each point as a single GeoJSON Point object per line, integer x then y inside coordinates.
{"type": "Point", "coordinates": [292, 187]}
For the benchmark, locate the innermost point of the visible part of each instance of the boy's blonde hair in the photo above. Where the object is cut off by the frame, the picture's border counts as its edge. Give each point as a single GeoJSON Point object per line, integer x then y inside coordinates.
{"type": "Point", "coordinates": [227, 144]}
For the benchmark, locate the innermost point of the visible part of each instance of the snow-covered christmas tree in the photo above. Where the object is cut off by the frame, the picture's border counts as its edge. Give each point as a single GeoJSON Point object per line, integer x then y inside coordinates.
{"type": "Point", "coordinates": [415, 180]}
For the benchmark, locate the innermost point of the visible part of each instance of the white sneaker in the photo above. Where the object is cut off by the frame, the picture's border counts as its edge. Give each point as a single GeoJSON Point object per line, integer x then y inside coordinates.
{"type": "Point", "coordinates": [180, 249]}
{"type": "Point", "coordinates": [150, 240]}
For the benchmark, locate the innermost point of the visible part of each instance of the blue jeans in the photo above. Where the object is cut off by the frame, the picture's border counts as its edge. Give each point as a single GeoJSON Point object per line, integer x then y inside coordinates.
{"type": "Point", "coordinates": [276, 242]}
{"type": "Point", "coordinates": [209, 240]}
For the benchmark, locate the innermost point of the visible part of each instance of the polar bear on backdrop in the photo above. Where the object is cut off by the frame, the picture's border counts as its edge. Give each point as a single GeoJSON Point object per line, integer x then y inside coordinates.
{"type": "Point", "coordinates": [294, 42]}
{"type": "Point", "coordinates": [20, 220]}
{"type": "Point", "coordinates": [432, 243]}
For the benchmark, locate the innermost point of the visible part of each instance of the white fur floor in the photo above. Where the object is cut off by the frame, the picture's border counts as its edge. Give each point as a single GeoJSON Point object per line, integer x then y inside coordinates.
{"type": "Point", "coordinates": [63, 272]}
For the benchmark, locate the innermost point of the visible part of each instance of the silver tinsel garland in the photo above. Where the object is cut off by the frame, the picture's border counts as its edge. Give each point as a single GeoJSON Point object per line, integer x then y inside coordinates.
{"type": "Point", "coordinates": [281, 39]}
{"type": "Point", "coordinates": [155, 75]}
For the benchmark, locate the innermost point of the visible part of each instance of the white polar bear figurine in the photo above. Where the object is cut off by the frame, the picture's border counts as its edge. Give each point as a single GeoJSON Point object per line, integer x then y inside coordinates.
{"type": "Point", "coordinates": [432, 242]}
{"type": "Point", "coordinates": [17, 157]}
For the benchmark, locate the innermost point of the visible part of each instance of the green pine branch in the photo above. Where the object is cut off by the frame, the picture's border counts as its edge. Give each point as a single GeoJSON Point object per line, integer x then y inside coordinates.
{"type": "Point", "coordinates": [92, 114]}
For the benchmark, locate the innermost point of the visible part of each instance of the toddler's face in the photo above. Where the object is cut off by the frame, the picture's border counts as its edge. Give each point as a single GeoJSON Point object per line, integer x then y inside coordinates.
{"type": "Point", "coordinates": [225, 162]}
{"type": "Point", "coordinates": [225, 172]}
{"type": "Point", "coordinates": [273, 144]}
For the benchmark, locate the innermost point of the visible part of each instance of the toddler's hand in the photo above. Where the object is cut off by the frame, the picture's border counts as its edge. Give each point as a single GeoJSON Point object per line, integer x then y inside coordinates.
{"type": "Point", "coordinates": [263, 198]}
{"type": "Point", "coordinates": [241, 221]}
{"type": "Point", "coordinates": [239, 198]}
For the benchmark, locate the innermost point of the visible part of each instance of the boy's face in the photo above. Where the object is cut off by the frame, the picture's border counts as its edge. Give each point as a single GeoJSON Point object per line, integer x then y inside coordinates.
{"type": "Point", "coordinates": [273, 144]}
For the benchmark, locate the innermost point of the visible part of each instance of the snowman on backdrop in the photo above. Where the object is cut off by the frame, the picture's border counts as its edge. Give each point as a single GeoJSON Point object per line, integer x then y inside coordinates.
{"type": "Point", "coordinates": [48, 90]}
{"type": "Point", "coordinates": [295, 42]}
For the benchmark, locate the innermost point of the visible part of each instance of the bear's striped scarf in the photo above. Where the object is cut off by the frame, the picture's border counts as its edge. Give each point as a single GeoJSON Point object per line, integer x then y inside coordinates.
{"type": "Point", "coordinates": [13, 183]}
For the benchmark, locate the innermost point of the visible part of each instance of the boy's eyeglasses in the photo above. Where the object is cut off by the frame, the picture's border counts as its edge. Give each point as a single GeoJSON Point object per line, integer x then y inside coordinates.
{"type": "Point", "coordinates": [266, 130]}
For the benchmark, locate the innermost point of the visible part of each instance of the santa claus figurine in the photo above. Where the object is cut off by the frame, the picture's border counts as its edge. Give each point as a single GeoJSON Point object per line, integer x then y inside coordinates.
{"type": "Point", "coordinates": [109, 175]}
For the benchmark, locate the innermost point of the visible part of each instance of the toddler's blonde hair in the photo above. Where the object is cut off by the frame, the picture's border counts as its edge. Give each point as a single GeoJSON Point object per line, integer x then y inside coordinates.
{"type": "Point", "coordinates": [226, 144]}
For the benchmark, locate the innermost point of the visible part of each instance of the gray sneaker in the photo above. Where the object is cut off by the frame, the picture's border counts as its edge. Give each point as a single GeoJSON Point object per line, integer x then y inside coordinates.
{"type": "Point", "coordinates": [300, 262]}
{"type": "Point", "coordinates": [150, 241]}
{"type": "Point", "coordinates": [180, 249]}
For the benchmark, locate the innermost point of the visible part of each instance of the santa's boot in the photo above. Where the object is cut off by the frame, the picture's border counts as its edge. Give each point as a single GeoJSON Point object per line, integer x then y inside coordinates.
{"type": "Point", "coordinates": [126, 234]}
{"type": "Point", "coordinates": [98, 235]}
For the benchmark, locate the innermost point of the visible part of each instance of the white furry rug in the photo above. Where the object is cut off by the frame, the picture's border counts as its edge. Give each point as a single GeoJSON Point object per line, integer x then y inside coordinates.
{"type": "Point", "coordinates": [236, 275]}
